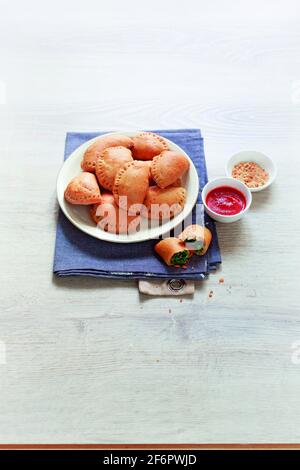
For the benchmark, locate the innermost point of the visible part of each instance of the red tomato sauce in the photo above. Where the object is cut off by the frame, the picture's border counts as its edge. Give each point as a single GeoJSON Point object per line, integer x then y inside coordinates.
{"type": "Point", "coordinates": [226, 200]}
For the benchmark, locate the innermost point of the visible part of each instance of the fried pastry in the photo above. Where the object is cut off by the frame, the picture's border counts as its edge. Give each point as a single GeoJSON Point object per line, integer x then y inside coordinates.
{"type": "Point", "coordinates": [83, 189]}
{"type": "Point", "coordinates": [167, 167]}
{"type": "Point", "coordinates": [95, 149]}
{"type": "Point", "coordinates": [196, 238]}
{"type": "Point", "coordinates": [109, 217]}
{"type": "Point", "coordinates": [173, 251]}
{"type": "Point", "coordinates": [164, 203]}
{"type": "Point", "coordinates": [109, 163]}
{"type": "Point", "coordinates": [131, 185]}
{"type": "Point", "coordinates": [147, 145]}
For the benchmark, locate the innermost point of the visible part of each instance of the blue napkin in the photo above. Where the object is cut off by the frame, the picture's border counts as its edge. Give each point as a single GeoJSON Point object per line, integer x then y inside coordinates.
{"type": "Point", "coordinates": [78, 254]}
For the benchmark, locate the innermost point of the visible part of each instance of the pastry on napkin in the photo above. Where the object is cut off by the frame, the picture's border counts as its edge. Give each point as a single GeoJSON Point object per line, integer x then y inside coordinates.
{"type": "Point", "coordinates": [78, 254]}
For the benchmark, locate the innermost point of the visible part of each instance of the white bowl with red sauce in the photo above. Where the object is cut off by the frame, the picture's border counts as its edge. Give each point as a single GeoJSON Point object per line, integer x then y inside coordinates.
{"type": "Point", "coordinates": [226, 199]}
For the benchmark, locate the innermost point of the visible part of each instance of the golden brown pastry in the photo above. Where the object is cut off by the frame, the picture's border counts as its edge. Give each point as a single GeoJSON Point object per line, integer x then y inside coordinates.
{"type": "Point", "coordinates": [147, 163]}
{"type": "Point", "coordinates": [109, 163]}
{"type": "Point", "coordinates": [177, 183]}
{"type": "Point", "coordinates": [131, 184]}
{"type": "Point", "coordinates": [94, 150]}
{"type": "Point", "coordinates": [167, 167]}
{"type": "Point", "coordinates": [173, 251]}
{"type": "Point", "coordinates": [147, 145]}
{"type": "Point", "coordinates": [164, 203]}
{"type": "Point", "coordinates": [109, 217]}
{"type": "Point", "coordinates": [83, 190]}
{"type": "Point", "coordinates": [196, 238]}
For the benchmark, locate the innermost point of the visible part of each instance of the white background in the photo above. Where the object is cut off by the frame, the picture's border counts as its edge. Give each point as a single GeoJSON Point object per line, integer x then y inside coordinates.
{"type": "Point", "coordinates": [90, 360]}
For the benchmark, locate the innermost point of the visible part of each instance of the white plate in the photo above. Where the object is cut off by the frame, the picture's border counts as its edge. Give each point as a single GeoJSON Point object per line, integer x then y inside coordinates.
{"type": "Point", "coordinates": [80, 217]}
{"type": "Point", "coordinates": [258, 157]}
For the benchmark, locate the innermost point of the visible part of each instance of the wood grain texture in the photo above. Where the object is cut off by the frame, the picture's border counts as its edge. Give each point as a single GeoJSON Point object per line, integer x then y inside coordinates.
{"type": "Point", "coordinates": [91, 361]}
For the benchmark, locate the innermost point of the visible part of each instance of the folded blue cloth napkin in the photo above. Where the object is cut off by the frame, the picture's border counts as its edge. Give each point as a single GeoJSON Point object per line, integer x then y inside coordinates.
{"type": "Point", "coordinates": [78, 254]}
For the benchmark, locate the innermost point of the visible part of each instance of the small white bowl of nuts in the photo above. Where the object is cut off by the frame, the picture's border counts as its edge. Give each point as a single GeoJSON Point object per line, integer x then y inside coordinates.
{"type": "Point", "coordinates": [255, 169]}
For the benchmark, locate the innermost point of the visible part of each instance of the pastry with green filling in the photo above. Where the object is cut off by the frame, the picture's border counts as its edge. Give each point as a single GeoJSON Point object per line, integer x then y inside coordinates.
{"type": "Point", "coordinates": [197, 239]}
{"type": "Point", "coordinates": [173, 251]}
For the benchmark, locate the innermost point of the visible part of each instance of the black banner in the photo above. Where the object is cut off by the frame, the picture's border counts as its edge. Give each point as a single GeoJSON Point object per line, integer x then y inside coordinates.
{"type": "Point", "coordinates": [135, 459]}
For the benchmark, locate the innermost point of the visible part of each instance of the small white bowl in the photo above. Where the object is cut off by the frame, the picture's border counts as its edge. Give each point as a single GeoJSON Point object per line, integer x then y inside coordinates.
{"type": "Point", "coordinates": [232, 183]}
{"type": "Point", "coordinates": [252, 156]}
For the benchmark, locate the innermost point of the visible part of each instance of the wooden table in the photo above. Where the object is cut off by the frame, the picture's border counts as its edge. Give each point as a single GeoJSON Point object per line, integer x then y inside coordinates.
{"type": "Point", "coordinates": [93, 361]}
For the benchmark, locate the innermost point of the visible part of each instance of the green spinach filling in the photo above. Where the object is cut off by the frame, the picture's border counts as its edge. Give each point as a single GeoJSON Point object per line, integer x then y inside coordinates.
{"type": "Point", "coordinates": [180, 258]}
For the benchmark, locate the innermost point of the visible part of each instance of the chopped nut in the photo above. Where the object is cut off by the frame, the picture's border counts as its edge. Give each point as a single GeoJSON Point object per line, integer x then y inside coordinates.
{"type": "Point", "coordinates": [250, 173]}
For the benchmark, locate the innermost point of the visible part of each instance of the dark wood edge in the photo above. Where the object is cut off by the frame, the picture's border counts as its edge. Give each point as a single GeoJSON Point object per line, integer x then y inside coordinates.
{"type": "Point", "coordinates": [266, 446]}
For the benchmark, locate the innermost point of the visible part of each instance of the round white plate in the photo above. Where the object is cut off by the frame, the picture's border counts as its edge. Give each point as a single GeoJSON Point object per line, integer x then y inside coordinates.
{"type": "Point", "coordinates": [79, 215]}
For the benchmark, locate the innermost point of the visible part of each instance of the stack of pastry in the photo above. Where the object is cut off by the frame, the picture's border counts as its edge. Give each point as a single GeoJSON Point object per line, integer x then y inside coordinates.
{"type": "Point", "coordinates": [125, 178]}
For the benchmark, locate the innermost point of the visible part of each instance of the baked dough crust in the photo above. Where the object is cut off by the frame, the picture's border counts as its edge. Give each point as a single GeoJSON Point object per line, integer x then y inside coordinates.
{"type": "Point", "coordinates": [83, 190]}
{"type": "Point", "coordinates": [131, 184]}
{"type": "Point", "coordinates": [196, 233]}
{"type": "Point", "coordinates": [164, 203]}
{"type": "Point", "coordinates": [168, 247]}
{"type": "Point", "coordinates": [110, 161]}
{"type": "Point", "coordinates": [147, 145]}
{"type": "Point", "coordinates": [94, 150]}
{"type": "Point", "coordinates": [168, 167]}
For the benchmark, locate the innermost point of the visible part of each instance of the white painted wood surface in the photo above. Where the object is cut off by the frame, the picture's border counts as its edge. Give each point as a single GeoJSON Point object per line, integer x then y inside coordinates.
{"type": "Point", "coordinates": [92, 361]}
